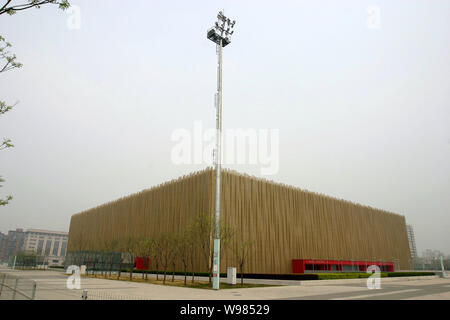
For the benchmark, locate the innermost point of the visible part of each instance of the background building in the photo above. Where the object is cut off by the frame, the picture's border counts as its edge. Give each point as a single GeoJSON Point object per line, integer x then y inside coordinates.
{"type": "Point", "coordinates": [50, 244]}
{"type": "Point", "coordinates": [12, 244]}
{"type": "Point", "coordinates": [2, 240]}
{"type": "Point", "coordinates": [411, 241]}
{"type": "Point", "coordinates": [285, 223]}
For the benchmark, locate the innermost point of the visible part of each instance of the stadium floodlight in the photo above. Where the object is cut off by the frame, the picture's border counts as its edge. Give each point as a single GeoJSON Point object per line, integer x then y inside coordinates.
{"type": "Point", "coordinates": [220, 35]}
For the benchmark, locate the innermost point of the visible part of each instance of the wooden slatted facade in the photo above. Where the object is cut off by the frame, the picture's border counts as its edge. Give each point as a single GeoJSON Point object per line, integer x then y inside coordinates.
{"type": "Point", "coordinates": [285, 222]}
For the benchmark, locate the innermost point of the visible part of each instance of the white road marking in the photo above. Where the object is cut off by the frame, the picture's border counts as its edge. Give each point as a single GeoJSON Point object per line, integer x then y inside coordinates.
{"type": "Point", "coordinates": [376, 294]}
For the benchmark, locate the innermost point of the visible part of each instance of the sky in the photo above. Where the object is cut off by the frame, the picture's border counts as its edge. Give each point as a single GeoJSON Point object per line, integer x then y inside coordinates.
{"type": "Point", "coordinates": [358, 91]}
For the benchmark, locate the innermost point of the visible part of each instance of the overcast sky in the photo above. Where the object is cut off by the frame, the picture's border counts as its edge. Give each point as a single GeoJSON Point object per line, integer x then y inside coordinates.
{"type": "Point", "coordinates": [362, 104]}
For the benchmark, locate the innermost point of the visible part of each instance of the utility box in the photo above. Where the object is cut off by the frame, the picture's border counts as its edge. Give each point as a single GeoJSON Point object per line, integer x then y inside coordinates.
{"type": "Point", "coordinates": [231, 275]}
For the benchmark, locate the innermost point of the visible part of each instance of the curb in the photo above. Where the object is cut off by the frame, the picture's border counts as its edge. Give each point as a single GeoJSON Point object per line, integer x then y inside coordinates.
{"type": "Point", "coordinates": [362, 280]}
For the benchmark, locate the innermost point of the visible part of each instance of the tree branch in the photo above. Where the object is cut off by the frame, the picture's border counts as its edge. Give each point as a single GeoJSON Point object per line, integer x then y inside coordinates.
{"type": "Point", "coordinates": [64, 4]}
{"type": "Point", "coordinates": [4, 6]}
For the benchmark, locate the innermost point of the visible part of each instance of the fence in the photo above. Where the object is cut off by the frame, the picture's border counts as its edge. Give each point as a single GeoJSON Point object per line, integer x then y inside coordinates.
{"type": "Point", "coordinates": [104, 295]}
{"type": "Point", "coordinates": [98, 260]}
{"type": "Point", "coordinates": [16, 288]}
{"type": "Point", "coordinates": [27, 261]}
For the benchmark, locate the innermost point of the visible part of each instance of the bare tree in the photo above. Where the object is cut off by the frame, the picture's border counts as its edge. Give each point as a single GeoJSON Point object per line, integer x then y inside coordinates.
{"type": "Point", "coordinates": [168, 252]}
{"type": "Point", "coordinates": [185, 251]}
{"type": "Point", "coordinates": [203, 227]}
{"type": "Point", "coordinates": [130, 250]}
{"type": "Point", "coordinates": [241, 254]}
{"type": "Point", "coordinates": [78, 244]}
{"type": "Point", "coordinates": [142, 252]}
{"type": "Point", "coordinates": [126, 247]}
{"type": "Point", "coordinates": [111, 247]}
{"type": "Point", "coordinates": [7, 62]}
{"type": "Point", "coordinates": [156, 255]}
{"type": "Point", "coordinates": [8, 59]}
{"type": "Point", "coordinates": [192, 255]}
{"type": "Point", "coordinates": [174, 247]}
{"type": "Point", "coordinates": [226, 235]}
{"type": "Point", "coordinates": [150, 246]}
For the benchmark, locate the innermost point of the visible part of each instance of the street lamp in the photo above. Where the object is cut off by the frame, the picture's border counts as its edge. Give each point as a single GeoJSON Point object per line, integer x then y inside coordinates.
{"type": "Point", "coordinates": [220, 34]}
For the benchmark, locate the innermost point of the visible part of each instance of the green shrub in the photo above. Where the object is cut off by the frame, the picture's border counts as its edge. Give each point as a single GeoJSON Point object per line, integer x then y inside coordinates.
{"type": "Point", "coordinates": [349, 275]}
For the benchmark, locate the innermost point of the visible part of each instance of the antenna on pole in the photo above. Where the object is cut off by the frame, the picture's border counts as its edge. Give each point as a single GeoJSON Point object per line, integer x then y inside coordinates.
{"type": "Point", "coordinates": [220, 34]}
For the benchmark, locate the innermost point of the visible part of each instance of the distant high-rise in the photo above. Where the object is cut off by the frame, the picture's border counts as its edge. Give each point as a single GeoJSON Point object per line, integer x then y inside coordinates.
{"type": "Point", "coordinates": [3, 238]}
{"type": "Point", "coordinates": [411, 240]}
{"type": "Point", "coordinates": [11, 244]}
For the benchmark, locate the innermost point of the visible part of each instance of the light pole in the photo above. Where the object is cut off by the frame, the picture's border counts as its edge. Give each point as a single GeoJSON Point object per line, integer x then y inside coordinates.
{"type": "Point", "coordinates": [220, 34]}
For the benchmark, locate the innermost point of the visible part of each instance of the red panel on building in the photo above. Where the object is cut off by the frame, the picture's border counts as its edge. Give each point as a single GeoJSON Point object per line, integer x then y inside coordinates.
{"type": "Point", "coordinates": [142, 263]}
{"type": "Point", "coordinates": [301, 265]}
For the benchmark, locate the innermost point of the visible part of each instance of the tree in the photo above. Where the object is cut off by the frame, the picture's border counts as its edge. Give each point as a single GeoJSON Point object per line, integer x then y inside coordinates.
{"type": "Point", "coordinates": [124, 247]}
{"type": "Point", "coordinates": [143, 251]}
{"type": "Point", "coordinates": [106, 249]}
{"type": "Point", "coordinates": [6, 200]}
{"type": "Point", "coordinates": [10, 7]}
{"type": "Point", "coordinates": [78, 244]}
{"type": "Point", "coordinates": [109, 247]}
{"type": "Point", "coordinates": [168, 252]}
{"type": "Point", "coordinates": [241, 254]}
{"type": "Point", "coordinates": [174, 248]}
{"type": "Point", "coordinates": [150, 246]}
{"type": "Point", "coordinates": [156, 254]}
{"type": "Point", "coordinates": [26, 259]}
{"type": "Point", "coordinates": [203, 226]}
{"type": "Point", "coordinates": [7, 62]}
{"type": "Point", "coordinates": [226, 235]}
{"type": "Point", "coordinates": [129, 247]}
{"type": "Point", "coordinates": [185, 251]}
{"type": "Point", "coordinates": [8, 59]}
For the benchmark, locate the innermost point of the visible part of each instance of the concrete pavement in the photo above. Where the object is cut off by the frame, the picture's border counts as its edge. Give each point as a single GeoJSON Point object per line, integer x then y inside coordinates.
{"type": "Point", "coordinates": [51, 285]}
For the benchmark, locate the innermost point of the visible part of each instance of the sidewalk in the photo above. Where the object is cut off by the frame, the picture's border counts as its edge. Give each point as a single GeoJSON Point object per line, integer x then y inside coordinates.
{"type": "Point", "coordinates": [51, 285]}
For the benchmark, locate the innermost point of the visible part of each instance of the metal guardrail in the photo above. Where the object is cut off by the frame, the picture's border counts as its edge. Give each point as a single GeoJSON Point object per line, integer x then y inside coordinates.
{"type": "Point", "coordinates": [16, 288]}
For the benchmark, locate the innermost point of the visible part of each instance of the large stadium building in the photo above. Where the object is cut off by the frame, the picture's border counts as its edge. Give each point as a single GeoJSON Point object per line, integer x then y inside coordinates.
{"type": "Point", "coordinates": [292, 230]}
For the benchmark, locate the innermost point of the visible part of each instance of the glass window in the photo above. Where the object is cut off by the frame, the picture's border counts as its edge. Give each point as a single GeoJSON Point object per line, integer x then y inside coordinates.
{"type": "Point", "coordinates": [48, 244]}
{"type": "Point", "coordinates": [55, 248]}
{"type": "Point", "coordinates": [40, 245]}
{"type": "Point", "coordinates": [63, 248]}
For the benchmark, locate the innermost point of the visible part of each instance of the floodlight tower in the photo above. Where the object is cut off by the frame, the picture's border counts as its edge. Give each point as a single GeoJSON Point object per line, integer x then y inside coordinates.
{"type": "Point", "coordinates": [220, 34]}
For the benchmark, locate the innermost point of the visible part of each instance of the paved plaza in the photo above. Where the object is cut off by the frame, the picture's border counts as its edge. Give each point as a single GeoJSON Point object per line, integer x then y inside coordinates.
{"type": "Point", "coordinates": [51, 285]}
